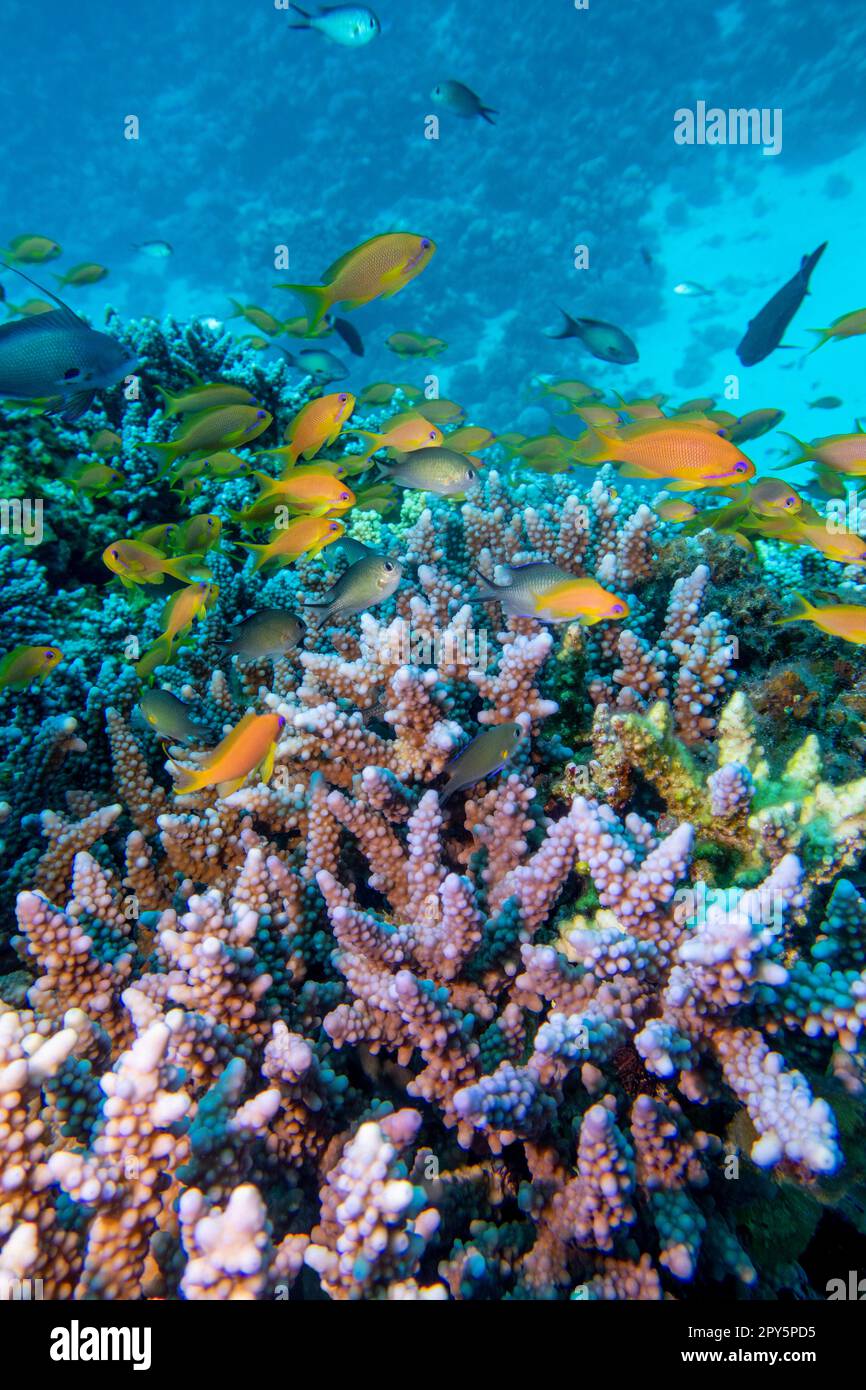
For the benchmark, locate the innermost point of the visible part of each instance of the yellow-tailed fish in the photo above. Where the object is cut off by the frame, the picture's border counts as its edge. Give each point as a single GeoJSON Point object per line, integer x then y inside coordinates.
{"type": "Point", "coordinates": [199, 534]}
{"type": "Point", "coordinates": [228, 425]}
{"type": "Point", "coordinates": [441, 411]}
{"type": "Point", "coordinates": [844, 453]}
{"type": "Point", "coordinates": [404, 433]}
{"type": "Point", "coordinates": [106, 442]}
{"type": "Point", "coordinates": [300, 328]}
{"type": "Point", "coordinates": [259, 318]}
{"type": "Point", "coordinates": [844, 547]}
{"type": "Point", "coordinates": [684, 455]}
{"type": "Point", "coordinates": [161, 536]}
{"type": "Point", "coordinates": [576, 392]}
{"type": "Point", "coordinates": [381, 392]}
{"type": "Point", "coordinates": [95, 479]}
{"type": "Point", "coordinates": [675, 509]}
{"type": "Point", "coordinates": [31, 250]}
{"type": "Point", "coordinates": [25, 664]}
{"type": "Point", "coordinates": [698, 406]}
{"type": "Point", "coordinates": [204, 396]}
{"type": "Point", "coordinates": [774, 497]}
{"type": "Point", "coordinates": [169, 717]}
{"type": "Point", "coordinates": [136, 562]}
{"type": "Point", "coordinates": [648, 409]}
{"type": "Point", "coordinates": [186, 605]}
{"type": "Point", "coordinates": [251, 746]}
{"type": "Point", "coordinates": [31, 307]}
{"type": "Point", "coordinates": [88, 273]}
{"type": "Point", "coordinates": [224, 464]}
{"type": "Point", "coordinates": [378, 268]}
{"type": "Point", "coordinates": [596, 415]}
{"type": "Point", "coordinates": [303, 535]}
{"type": "Point", "coordinates": [846, 326]}
{"type": "Point", "coordinates": [269, 633]}
{"type": "Point", "coordinates": [845, 620]}
{"type": "Point", "coordinates": [488, 753]}
{"type": "Point", "coordinates": [312, 491]}
{"type": "Point", "coordinates": [316, 426]}
{"type": "Point", "coordinates": [369, 580]}
{"type": "Point", "coordinates": [415, 345]}
{"type": "Point", "coordinates": [470, 439]}
{"type": "Point", "coordinates": [552, 595]}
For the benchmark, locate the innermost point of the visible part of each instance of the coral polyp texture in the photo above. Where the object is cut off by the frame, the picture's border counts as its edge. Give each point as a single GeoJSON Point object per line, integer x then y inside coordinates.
{"type": "Point", "coordinates": [587, 1026]}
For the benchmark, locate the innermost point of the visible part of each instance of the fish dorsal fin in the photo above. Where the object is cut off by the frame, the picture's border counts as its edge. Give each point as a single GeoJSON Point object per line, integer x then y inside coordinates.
{"type": "Point", "coordinates": [334, 270]}
{"type": "Point", "coordinates": [69, 316]}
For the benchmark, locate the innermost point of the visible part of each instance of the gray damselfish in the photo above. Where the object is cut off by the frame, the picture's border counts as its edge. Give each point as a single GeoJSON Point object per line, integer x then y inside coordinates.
{"type": "Point", "coordinates": [58, 358]}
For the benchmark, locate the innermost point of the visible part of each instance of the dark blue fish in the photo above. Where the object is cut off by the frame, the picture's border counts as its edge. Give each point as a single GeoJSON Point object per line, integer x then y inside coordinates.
{"type": "Point", "coordinates": [766, 329]}
{"type": "Point", "coordinates": [350, 335]}
{"type": "Point", "coordinates": [58, 358]}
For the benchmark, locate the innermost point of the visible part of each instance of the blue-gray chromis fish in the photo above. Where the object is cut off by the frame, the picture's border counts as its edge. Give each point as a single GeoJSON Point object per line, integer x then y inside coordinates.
{"type": "Point", "coordinates": [58, 358]}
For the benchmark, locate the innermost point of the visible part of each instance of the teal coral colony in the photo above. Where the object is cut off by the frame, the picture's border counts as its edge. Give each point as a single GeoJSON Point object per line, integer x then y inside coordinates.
{"type": "Point", "coordinates": [432, 843]}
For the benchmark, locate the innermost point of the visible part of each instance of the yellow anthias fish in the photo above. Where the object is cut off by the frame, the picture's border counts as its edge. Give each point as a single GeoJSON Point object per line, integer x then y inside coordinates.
{"type": "Point", "coordinates": [186, 605]}
{"type": "Point", "coordinates": [251, 746]}
{"type": "Point", "coordinates": [136, 562]}
{"type": "Point", "coordinates": [106, 442]}
{"type": "Point", "coordinates": [200, 534]}
{"type": "Point", "coordinates": [471, 439]}
{"type": "Point", "coordinates": [415, 345]}
{"type": "Point", "coordinates": [25, 664]}
{"type": "Point", "coordinates": [845, 620]}
{"type": "Point", "coordinates": [844, 453]}
{"type": "Point", "coordinates": [88, 273]}
{"type": "Point", "coordinates": [684, 454]}
{"type": "Point", "coordinates": [95, 479]}
{"type": "Point", "coordinates": [32, 250]}
{"type": "Point", "coordinates": [846, 326]}
{"type": "Point", "coordinates": [676, 509]}
{"type": "Point", "coordinates": [312, 491]}
{"type": "Point", "coordinates": [404, 433]}
{"type": "Point", "coordinates": [574, 391]}
{"type": "Point", "coordinates": [224, 464]}
{"type": "Point", "coordinates": [596, 415]}
{"type": "Point", "coordinates": [300, 328]}
{"type": "Point", "coordinates": [381, 392]}
{"type": "Point", "coordinates": [303, 535]}
{"type": "Point", "coordinates": [378, 268]}
{"type": "Point", "coordinates": [204, 396]}
{"type": "Point", "coordinates": [259, 318]}
{"type": "Point", "coordinates": [316, 426]}
{"type": "Point", "coordinates": [844, 546]}
{"type": "Point", "coordinates": [228, 426]}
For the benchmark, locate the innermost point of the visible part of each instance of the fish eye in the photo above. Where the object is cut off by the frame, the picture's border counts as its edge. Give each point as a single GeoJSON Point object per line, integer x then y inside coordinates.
{"type": "Point", "coordinates": [470, 473]}
{"type": "Point", "coordinates": [741, 466]}
{"type": "Point", "coordinates": [432, 435]}
{"type": "Point", "coordinates": [344, 496]}
{"type": "Point", "coordinates": [424, 243]}
{"type": "Point", "coordinates": [388, 566]}
{"type": "Point", "coordinates": [49, 654]}
{"type": "Point", "coordinates": [618, 608]}
{"type": "Point", "coordinates": [790, 501]}
{"type": "Point", "coordinates": [114, 554]}
{"type": "Point", "coordinates": [333, 526]}
{"type": "Point", "coordinates": [342, 398]}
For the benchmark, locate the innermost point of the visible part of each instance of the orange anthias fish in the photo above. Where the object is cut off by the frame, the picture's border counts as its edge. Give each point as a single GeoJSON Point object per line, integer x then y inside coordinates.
{"type": "Point", "coordinates": [251, 746]}
{"type": "Point", "coordinates": [312, 491]}
{"type": "Point", "coordinates": [404, 432]}
{"type": "Point", "coordinates": [303, 535]}
{"type": "Point", "coordinates": [845, 620]}
{"type": "Point", "coordinates": [25, 664]}
{"type": "Point", "coordinates": [684, 454]}
{"type": "Point", "coordinates": [135, 562]}
{"type": "Point", "coordinates": [315, 426]}
{"type": "Point", "coordinates": [846, 326]}
{"type": "Point", "coordinates": [844, 453]}
{"type": "Point", "coordinates": [378, 268]}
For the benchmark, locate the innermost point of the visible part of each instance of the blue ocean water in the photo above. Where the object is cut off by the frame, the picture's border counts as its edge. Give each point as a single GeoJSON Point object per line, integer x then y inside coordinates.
{"type": "Point", "coordinates": [253, 135]}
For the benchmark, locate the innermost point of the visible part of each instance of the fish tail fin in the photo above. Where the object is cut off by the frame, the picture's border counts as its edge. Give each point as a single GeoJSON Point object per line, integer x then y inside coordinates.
{"type": "Point", "coordinates": [187, 568]}
{"type": "Point", "coordinates": [487, 112]}
{"type": "Point", "coordinates": [315, 298]}
{"type": "Point", "coordinates": [803, 456]}
{"type": "Point", "coordinates": [490, 591]}
{"type": "Point", "coordinates": [163, 453]}
{"type": "Point", "coordinates": [824, 336]}
{"type": "Point", "coordinates": [186, 779]}
{"type": "Point", "coordinates": [568, 329]}
{"type": "Point", "coordinates": [258, 551]}
{"type": "Point", "coordinates": [169, 402]}
{"type": "Point", "coordinates": [808, 263]}
{"type": "Point", "coordinates": [804, 612]}
{"type": "Point", "coordinates": [158, 654]}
